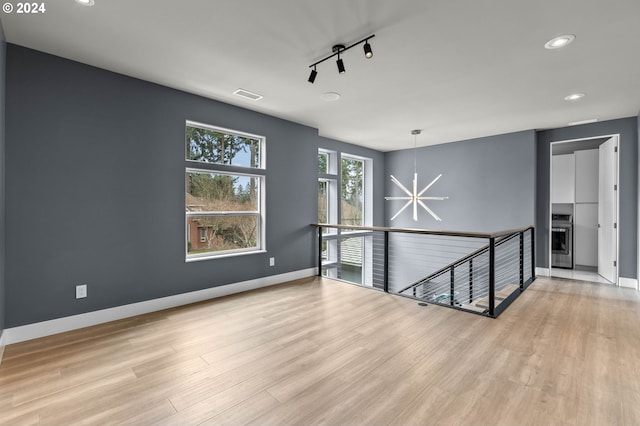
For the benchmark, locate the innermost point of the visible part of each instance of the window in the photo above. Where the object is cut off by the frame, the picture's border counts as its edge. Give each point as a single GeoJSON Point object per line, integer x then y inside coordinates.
{"type": "Point", "coordinates": [323, 162]}
{"type": "Point", "coordinates": [352, 191]}
{"type": "Point", "coordinates": [323, 201]}
{"type": "Point", "coordinates": [343, 193]}
{"type": "Point", "coordinates": [224, 185]}
{"type": "Point", "coordinates": [327, 188]}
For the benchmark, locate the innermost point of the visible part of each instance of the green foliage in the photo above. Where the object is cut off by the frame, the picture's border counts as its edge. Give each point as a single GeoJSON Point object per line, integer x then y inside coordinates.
{"type": "Point", "coordinates": [219, 148]}
{"type": "Point", "coordinates": [212, 187]}
{"type": "Point", "coordinates": [352, 174]}
{"type": "Point", "coordinates": [352, 179]}
{"type": "Point", "coordinates": [323, 165]}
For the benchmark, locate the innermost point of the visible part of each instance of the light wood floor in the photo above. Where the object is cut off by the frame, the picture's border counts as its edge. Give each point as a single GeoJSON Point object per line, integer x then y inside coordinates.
{"type": "Point", "coordinates": [318, 351]}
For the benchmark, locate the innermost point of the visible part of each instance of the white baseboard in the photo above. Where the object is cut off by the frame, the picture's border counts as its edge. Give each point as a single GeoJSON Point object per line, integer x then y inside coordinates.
{"type": "Point", "coordinates": [2, 344]}
{"type": "Point", "coordinates": [628, 283]}
{"type": "Point", "coordinates": [543, 272]}
{"type": "Point", "coordinates": [60, 325]}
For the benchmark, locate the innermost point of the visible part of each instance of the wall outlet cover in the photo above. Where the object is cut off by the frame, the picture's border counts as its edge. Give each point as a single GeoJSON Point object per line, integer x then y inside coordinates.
{"type": "Point", "coordinates": [81, 291]}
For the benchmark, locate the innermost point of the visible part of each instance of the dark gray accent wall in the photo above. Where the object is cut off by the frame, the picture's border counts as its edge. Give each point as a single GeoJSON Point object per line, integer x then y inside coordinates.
{"type": "Point", "coordinates": [95, 190]}
{"type": "Point", "coordinates": [627, 128]}
{"type": "Point", "coordinates": [490, 183]}
{"type": "Point", "coordinates": [3, 48]}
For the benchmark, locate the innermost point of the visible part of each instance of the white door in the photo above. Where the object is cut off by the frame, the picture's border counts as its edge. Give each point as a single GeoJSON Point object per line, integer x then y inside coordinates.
{"type": "Point", "coordinates": [607, 210]}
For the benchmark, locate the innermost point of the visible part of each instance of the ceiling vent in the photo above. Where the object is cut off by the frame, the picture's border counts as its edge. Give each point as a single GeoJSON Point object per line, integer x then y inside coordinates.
{"type": "Point", "coordinates": [248, 95]}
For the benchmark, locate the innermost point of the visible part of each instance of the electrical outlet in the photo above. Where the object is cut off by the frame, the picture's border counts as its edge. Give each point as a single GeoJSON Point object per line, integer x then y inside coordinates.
{"type": "Point", "coordinates": [81, 291]}
{"type": "Point", "coordinates": [272, 261]}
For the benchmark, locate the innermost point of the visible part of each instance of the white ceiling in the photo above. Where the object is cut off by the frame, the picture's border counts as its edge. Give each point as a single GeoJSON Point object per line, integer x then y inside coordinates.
{"type": "Point", "coordinates": [456, 69]}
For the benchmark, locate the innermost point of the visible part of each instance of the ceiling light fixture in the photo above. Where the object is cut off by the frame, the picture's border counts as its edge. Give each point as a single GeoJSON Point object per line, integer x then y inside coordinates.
{"type": "Point", "coordinates": [559, 42]}
{"type": "Point", "coordinates": [330, 96]}
{"type": "Point", "coordinates": [574, 97]}
{"type": "Point", "coordinates": [86, 2]}
{"type": "Point", "coordinates": [337, 50]}
{"type": "Point", "coordinates": [340, 64]}
{"type": "Point", "coordinates": [368, 53]}
{"type": "Point", "coordinates": [312, 76]}
{"type": "Point", "coordinates": [414, 197]}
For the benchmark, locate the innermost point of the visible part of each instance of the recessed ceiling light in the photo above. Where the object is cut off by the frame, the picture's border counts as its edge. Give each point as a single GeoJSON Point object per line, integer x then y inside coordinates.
{"type": "Point", "coordinates": [330, 96]}
{"type": "Point", "coordinates": [560, 41]}
{"type": "Point", "coordinates": [574, 97]}
{"type": "Point", "coordinates": [577, 123]}
{"type": "Point", "coordinates": [86, 2]}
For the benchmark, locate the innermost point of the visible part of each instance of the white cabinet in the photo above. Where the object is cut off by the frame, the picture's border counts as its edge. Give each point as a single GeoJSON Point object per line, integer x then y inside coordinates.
{"type": "Point", "coordinates": [586, 208]}
{"type": "Point", "coordinates": [586, 163]}
{"type": "Point", "coordinates": [585, 225]}
{"type": "Point", "coordinates": [563, 179]}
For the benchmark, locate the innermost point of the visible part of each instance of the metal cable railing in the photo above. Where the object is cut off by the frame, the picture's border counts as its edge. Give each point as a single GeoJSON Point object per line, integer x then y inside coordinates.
{"type": "Point", "coordinates": [476, 272]}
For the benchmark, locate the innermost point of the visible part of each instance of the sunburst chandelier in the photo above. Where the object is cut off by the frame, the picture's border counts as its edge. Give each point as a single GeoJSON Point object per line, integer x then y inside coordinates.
{"type": "Point", "coordinates": [414, 197]}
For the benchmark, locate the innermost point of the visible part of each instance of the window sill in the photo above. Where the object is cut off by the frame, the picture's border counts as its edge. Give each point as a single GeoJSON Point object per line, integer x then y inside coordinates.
{"type": "Point", "coordinates": [223, 255]}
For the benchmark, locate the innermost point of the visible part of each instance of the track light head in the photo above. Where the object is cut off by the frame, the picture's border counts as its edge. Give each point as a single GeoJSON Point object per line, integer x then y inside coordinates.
{"type": "Point", "coordinates": [368, 53]}
{"type": "Point", "coordinates": [341, 69]}
{"type": "Point", "coordinates": [312, 76]}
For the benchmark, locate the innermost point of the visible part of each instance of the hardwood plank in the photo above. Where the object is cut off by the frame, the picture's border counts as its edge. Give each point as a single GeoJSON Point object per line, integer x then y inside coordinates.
{"type": "Point", "coordinates": [319, 351]}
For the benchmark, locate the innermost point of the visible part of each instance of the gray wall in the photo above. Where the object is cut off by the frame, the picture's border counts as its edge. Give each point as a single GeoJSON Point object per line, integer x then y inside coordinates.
{"type": "Point", "coordinates": [3, 46]}
{"type": "Point", "coordinates": [95, 190]}
{"type": "Point", "coordinates": [490, 183]}
{"type": "Point", "coordinates": [628, 187]}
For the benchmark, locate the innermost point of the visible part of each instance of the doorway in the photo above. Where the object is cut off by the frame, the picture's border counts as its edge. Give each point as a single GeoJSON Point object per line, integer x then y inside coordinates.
{"type": "Point", "coordinates": [584, 209]}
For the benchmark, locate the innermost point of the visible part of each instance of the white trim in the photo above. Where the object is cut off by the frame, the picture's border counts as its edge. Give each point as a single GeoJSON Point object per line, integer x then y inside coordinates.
{"type": "Point", "coordinates": [2, 344]}
{"type": "Point", "coordinates": [617, 179]}
{"type": "Point", "coordinates": [60, 325]}
{"type": "Point", "coordinates": [543, 272]}
{"type": "Point", "coordinates": [628, 283]}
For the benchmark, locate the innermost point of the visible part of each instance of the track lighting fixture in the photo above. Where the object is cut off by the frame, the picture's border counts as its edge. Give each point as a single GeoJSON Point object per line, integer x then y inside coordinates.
{"type": "Point", "coordinates": [337, 50]}
{"type": "Point", "coordinates": [368, 53]}
{"type": "Point", "coordinates": [312, 76]}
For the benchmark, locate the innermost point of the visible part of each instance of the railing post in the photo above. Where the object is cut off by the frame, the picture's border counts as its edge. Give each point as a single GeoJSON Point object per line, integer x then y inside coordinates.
{"type": "Point", "coordinates": [533, 253]}
{"type": "Point", "coordinates": [452, 286]}
{"type": "Point", "coordinates": [492, 277]}
{"type": "Point", "coordinates": [522, 260]}
{"type": "Point", "coordinates": [471, 280]}
{"type": "Point", "coordinates": [386, 262]}
{"type": "Point", "coordinates": [319, 251]}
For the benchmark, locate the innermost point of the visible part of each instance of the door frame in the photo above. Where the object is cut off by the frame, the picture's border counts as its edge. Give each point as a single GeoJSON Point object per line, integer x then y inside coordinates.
{"type": "Point", "coordinates": [617, 196]}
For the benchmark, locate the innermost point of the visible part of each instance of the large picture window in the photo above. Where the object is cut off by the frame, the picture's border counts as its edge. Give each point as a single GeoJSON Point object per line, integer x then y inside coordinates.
{"type": "Point", "coordinates": [224, 181]}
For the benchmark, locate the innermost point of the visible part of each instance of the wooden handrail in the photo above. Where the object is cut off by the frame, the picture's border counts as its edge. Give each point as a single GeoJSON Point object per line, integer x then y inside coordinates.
{"type": "Point", "coordinates": [425, 231]}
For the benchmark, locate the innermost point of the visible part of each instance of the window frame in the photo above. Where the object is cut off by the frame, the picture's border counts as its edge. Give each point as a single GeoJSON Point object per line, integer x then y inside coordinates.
{"type": "Point", "coordinates": [334, 239]}
{"type": "Point", "coordinates": [259, 172]}
{"type": "Point", "coordinates": [367, 191]}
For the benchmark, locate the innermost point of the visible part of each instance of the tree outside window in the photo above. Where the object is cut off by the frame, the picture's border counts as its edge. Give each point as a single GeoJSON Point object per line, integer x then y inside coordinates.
{"type": "Point", "coordinates": [352, 185]}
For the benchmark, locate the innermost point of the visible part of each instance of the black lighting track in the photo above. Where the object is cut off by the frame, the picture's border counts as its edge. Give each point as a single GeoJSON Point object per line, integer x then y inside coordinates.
{"type": "Point", "coordinates": [338, 49]}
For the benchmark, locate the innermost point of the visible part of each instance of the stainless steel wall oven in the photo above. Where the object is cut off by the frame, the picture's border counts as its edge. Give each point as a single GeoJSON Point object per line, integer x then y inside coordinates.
{"type": "Point", "coordinates": [562, 241]}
